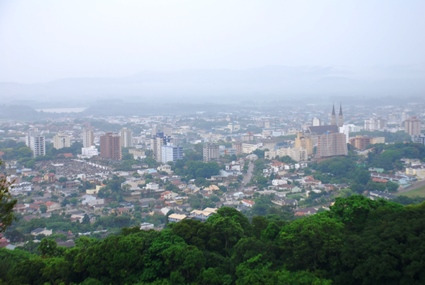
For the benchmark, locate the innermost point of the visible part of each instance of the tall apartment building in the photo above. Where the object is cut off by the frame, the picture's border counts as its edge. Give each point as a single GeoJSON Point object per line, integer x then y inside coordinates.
{"type": "Point", "coordinates": [88, 137]}
{"type": "Point", "coordinates": [126, 137]}
{"type": "Point", "coordinates": [297, 154]}
{"type": "Point", "coordinates": [316, 122]}
{"type": "Point", "coordinates": [237, 146]}
{"type": "Point", "coordinates": [375, 124]}
{"type": "Point", "coordinates": [157, 142]}
{"type": "Point", "coordinates": [110, 146]}
{"type": "Point", "coordinates": [360, 142]}
{"type": "Point", "coordinates": [329, 139]}
{"type": "Point", "coordinates": [210, 152]}
{"type": "Point", "coordinates": [156, 146]}
{"type": "Point", "coordinates": [412, 126]}
{"type": "Point", "coordinates": [331, 144]}
{"type": "Point", "coordinates": [305, 142]}
{"type": "Point", "coordinates": [61, 141]}
{"type": "Point", "coordinates": [171, 153]}
{"type": "Point", "coordinates": [36, 143]}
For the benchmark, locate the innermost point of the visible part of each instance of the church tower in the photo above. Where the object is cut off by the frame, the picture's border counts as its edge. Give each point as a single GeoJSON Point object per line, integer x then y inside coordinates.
{"type": "Point", "coordinates": [333, 117]}
{"type": "Point", "coordinates": [340, 116]}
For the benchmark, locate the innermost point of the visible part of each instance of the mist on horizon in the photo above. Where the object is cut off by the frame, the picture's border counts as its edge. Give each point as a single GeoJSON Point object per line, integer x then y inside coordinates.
{"type": "Point", "coordinates": [92, 50]}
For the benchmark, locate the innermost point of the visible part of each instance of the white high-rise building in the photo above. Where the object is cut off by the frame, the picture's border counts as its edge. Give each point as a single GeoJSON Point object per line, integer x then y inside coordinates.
{"type": "Point", "coordinates": [171, 153]}
{"type": "Point", "coordinates": [316, 122]}
{"type": "Point", "coordinates": [88, 152]}
{"type": "Point", "coordinates": [126, 137]}
{"type": "Point", "coordinates": [36, 143]}
{"type": "Point", "coordinates": [157, 142]}
{"type": "Point", "coordinates": [88, 138]}
{"type": "Point", "coordinates": [374, 124]}
{"type": "Point", "coordinates": [345, 129]}
{"type": "Point", "coordinates": [61, 141]}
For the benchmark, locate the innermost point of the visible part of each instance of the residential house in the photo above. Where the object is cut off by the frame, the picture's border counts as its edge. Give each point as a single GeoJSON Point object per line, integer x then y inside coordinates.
{"type": "Point", "coordinates": [152, 186]}
{"type": "Point", "coordinates": [168, 195]}
{"type": "Point", "coordinates": [77, 216]}
{"type": "Point", "coordinates": [20, 208]}
{"type": "Point", "coordinates": [277, 182]}
{"type": "Point", "coordinates": [296, 189]}
{"type": "Point", "coordinates": [147, 202]}
{"type": "Point", "coordinates": [85, 199]}
{"type": "Point", "coordinates": [202, 215]}
{"type": "Point", "coordinates": [96, 202]}
{"type": "Point", "coordinates": [248, 203]}
{"type": "Point", "coordinates": [52, 206]}
{"type": "Point", "coordinates": [41, 231]}
{"type": "Point", "coordinates": [374, 195]}
{"type": "Point", "coordinates": [212, 188]}
{"type": "Point", "coordinates": [285, 202]}
{"type": "Point", "coordinates": [165, 168]}
{"type": "Point", "coordinates": [146, 226]}
{"type": "Point", "coordinates": [176, 217]}
{"type": "Point", "coordinates": [305, 212]}
{"type": "Point", "coordinates": [49, 177]}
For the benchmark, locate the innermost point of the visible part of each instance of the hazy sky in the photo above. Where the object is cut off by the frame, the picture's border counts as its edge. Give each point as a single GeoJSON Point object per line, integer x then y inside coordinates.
{"type": "Point", "coordinates": [44, 40]}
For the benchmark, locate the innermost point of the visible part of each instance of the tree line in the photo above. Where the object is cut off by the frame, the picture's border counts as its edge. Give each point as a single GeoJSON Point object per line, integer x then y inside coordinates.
{"type": "Point", "coordinates": [358, 241]}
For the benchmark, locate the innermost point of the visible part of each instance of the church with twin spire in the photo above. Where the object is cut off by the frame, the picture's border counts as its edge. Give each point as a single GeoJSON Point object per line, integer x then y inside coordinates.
{"type": "Point", "coordinates": [334, 121]}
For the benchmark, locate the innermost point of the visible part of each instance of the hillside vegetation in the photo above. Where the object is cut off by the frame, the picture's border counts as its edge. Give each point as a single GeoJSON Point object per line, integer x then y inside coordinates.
{"type": "Point", "coordinates": [358, 241]}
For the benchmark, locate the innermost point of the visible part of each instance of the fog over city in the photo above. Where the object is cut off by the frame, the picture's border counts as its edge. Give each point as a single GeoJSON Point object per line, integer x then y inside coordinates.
{"type": "Point", "coordinates": [212, 142]}
{"type": "Point", "coordinates": [75, 53]}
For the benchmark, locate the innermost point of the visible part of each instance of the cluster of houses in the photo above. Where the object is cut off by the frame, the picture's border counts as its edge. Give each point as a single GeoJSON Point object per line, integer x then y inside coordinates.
{"type": "Point", "coordinates": [51, 188]}
{"type": "Point", "coordinates": [201, 215]}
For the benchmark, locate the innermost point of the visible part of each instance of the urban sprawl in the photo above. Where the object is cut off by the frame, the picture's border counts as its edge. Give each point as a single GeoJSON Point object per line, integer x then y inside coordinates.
{"type": "Point", "coordinates": [99, 174]}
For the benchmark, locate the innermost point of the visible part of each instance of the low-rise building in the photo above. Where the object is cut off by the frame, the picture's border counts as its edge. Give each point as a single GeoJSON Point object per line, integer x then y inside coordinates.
{"type": "Point", "coordinates": [202, 215]}
{"type": "Point", "coordinates": [248, 203]}
{"type": "Point", "coordinates": [41, 231]}
{"type": "Point", "coordinates": [176, 218]}
{"type": "Point", "coordinates": [146, 226]}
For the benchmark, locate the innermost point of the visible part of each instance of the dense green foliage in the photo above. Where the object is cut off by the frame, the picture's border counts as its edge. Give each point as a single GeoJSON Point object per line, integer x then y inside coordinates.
{"type": "Point", "coordinates": [112, 188]}
{"type": "Point", "coordinates": [359, 241]}
{"type": "Point", "coordinates": [7, 202]}
{"type": "Point", "coordinates": [388, 156]}
{"type": "Point", "coordinates": [190, 169]}
{"type": "Point", "coordinates": [390, 137]}
{"type": "Point", "coordinates": [342, 170]}
{"type": "Point", "coordinates": [353, 170]}
{"type": "Point", "coordinates": [14, 150]}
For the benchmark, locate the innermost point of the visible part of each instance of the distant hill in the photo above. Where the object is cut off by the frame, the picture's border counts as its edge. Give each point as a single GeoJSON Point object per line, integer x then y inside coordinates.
{"type": "Point", "coordinates": [230, 85]}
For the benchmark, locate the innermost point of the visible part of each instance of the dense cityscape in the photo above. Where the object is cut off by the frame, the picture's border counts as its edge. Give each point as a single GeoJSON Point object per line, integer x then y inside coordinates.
{"type": "Point", "coordinates": [116, 171]}
{"type": "Point", "coordinates": [212, 142]}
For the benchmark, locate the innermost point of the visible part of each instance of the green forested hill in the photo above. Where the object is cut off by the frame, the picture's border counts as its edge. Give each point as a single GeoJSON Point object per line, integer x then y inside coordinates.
{"type": "Point", "coordinates": [359, 241]}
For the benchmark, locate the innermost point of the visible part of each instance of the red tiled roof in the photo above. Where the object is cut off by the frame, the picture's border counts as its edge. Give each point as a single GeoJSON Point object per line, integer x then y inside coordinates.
{"type": "Point", "coordinates": [379, 180]}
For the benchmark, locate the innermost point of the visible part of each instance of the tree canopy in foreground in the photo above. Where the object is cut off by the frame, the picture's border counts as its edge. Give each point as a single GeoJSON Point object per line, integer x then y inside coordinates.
{"type": "Point", "coordinates": [358, 241]}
